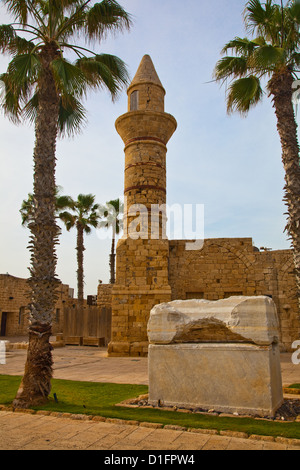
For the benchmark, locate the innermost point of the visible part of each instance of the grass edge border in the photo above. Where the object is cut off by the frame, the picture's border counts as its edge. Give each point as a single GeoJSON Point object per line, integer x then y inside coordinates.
{"type": "Point", "coordinates": [95, 418]}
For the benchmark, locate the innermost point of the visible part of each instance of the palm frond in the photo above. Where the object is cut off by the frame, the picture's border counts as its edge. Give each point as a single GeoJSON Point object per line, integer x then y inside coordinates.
{"type": "Point", "coordinates": [86, 228]}
{"type": "Point", "coordinates": [111, 213]}
{"type": "Point", "coordinates": [24, 68]}
{"type": "Point", "coordinates": [18, 84]}
{"type": "Point", "coordinates": [106, 17]}
{"type": "Point", "coordinates": [72, 116]}
{"type": "Point", "coordinates": [85, 202]}
{"type": "Point", "coordinates": [66, 26]}
{"type": "Point", "coordinates": [63, 202]}
{"type": "Point", "coordinates": [117, 205]}
{"type": "Point", "coordinates": [10, 102]}
{"type": "Point", "coordinates": [26, 210]}
{"type": "Point", "coordinates": [29, 111]}
{"type": "Point", "coordinates": [69, 77]}
{"type": "Point", "coordinates": [84, 212]}
{"type": "Point", "coordinates": [230, 67]}
{"type": "Point", "coordinates": [18, 8]}
{"type": "Point", "coordinates": [60, 19]}
{"type": "Point", "coordinates": [7, 35]}
{"type": "Point", "coordinates": [243, 94]}
{"type": "Point", "coordinates": [68, 219]}
{"type": "Point", "coordinates": [259, 17]}
{"type": "Point", "coordinates": [295, 59]}
{"type": "Point", "coordinates": [92, 220]}
{"type": "Point", "coordinates": [267, 57]}
{"type": "Point", "coordinates": [293, 12]}
{"type": "Point", "coordinates": [20, 45]}
{"type": "Point", "coordinates": [241, 46]}
{"type": "Point", "coordinates": [104, 70]}
{"type": "Point", "coordinates": [259, 41]}
{"type": "Point", "coordinates": [65, 5]}
{"type": "Point", "coordinates": [116, 66]}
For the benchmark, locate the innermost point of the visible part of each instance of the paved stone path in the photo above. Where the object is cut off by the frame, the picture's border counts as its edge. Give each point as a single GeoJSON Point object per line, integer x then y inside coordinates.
{"type": "Point", "coordinates": [92, 364]}
{"type": "Point", "coordinates": [84, 363]}
{"type": "Point", "coordinates": [19, 431]}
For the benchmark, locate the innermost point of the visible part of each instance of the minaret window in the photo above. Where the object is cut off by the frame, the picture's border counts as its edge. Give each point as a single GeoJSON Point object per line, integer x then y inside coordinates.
{"type": "Point", "coordinates": [134, 101]}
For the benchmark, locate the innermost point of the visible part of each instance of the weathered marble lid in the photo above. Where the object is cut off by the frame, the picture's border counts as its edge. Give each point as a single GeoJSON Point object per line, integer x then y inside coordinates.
{"type": "Point", "coordinates": [233, 320]}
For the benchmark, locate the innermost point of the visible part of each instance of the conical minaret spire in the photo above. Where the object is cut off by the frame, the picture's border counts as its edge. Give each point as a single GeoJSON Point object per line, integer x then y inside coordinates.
{"type": "Point", "coordinates": [146, 73]}
{"type": "Point", "coordinates": [146, 92]}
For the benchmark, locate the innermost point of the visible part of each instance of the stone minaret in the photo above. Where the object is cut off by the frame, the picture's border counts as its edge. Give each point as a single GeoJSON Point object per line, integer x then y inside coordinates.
{"type": "Point", "coordinates": [143, 252]}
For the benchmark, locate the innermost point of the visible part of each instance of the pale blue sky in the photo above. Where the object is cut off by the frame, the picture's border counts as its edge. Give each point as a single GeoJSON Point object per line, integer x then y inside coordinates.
{"type": "Point", "coordinates": [230, 164]}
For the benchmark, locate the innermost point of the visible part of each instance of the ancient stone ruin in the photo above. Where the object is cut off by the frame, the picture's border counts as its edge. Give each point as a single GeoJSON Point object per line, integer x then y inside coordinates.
{"type": "Point", "coordinates": [216, 355]}
{"type": "Point", "coordinates": [152, 270]}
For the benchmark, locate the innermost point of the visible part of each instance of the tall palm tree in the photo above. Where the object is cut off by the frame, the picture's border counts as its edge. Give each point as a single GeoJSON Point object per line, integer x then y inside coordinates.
{"type": "Point", "coordinates": [84, 215]}
{"type": "Point", "coordinates": [43, 85]}
{"type": "Point", "coordinates": [272, 56]}
{"type": "Point", "coordinates": [112, 211]}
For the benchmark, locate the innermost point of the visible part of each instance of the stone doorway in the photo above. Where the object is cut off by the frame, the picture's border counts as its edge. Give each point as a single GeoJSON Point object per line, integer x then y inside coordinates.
{"type": "Point", "coordinates": [3, 324]}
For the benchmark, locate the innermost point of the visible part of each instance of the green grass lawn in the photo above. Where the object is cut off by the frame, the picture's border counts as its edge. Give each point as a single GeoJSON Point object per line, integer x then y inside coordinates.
{"type": "Point", "coordinates": [76, 397]}
{"type": "Point", "coordinates": [295, 386]}
{"type": "Point", "coordinates": [100, 399]}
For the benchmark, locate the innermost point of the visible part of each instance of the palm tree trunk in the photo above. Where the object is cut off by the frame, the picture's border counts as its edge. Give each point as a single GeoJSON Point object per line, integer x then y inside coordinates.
{"type": "Point", "coordinates": [112, 260]}
{"type": "Point", "coordinates": [280, 86]}
{"type": "Point", "coordinates": [36, 383]}
{"type": "Point", "coordinates": [80, 277]}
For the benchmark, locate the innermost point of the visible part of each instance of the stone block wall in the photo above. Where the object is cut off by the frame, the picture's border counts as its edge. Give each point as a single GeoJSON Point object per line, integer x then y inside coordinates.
{"type": "Point", "coordinates": [142, 282]}
{"type": "Point", "coordinates": [104, 295]}
{"type": "Point", "coordinates": [228, 267]}
{"type": "Point", "coordinates": [14, 306]}
{"type": "Point", "coordinates": [223, 268]}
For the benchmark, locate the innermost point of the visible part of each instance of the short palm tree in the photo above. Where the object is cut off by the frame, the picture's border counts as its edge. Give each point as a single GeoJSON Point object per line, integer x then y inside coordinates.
{"type": "Point", "coordinates": [84, 215]}
{"type": "Point", "coordinates": [111, 212]}
{"type": "Point", "coordinates": [42, 84]}
{"type": "Point", "coordinates": [26, 211]}
{"type": "Point", "coordinates": [271, 56]}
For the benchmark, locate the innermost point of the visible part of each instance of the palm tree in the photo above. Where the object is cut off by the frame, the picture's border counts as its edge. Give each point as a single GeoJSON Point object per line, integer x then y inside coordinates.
{"type": "Point", "coordinates": [26, 211]}
{"type": "Point", "coordinates": [84, 215]}
{"type": "Point", "coordinates": [83, 206]}
{"type": "Point", "coordinates": [112, 211]}
{"type": "Point", "coordinates": [271, 56]}
{"type": "Point", "coordinates": [41, 84]}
